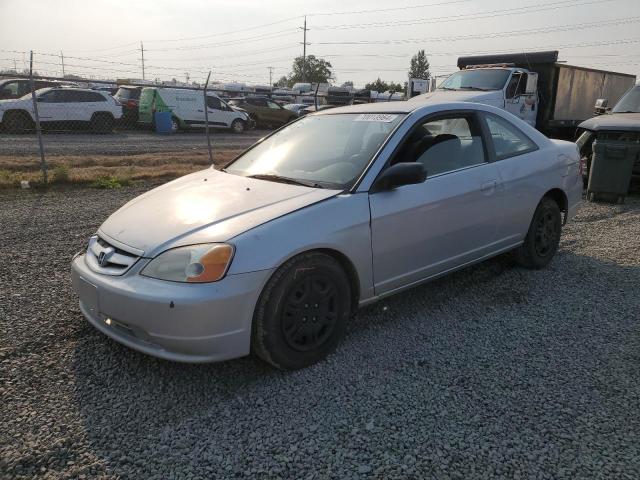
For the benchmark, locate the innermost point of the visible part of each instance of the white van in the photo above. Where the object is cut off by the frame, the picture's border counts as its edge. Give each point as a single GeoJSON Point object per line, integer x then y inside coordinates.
{"type": "Point", "coordinates": [187, 108]}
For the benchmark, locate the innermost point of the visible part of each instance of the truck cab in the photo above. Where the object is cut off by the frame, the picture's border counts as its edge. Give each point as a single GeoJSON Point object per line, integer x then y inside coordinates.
{"type": "Point", "coordinates": [504, 86]}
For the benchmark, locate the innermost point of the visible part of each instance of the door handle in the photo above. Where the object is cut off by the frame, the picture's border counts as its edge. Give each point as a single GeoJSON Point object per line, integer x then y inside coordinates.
{"type": "Point", "coordinates": [488, 186]}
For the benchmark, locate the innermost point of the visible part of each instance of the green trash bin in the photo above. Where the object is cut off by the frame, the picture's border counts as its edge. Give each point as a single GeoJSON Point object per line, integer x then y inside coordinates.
{"type": "Point", "coordinates": [611, 167]}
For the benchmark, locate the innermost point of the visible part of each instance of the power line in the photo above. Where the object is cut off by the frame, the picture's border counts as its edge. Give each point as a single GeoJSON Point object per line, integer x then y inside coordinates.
{"type": "Point", "coordinates": [550, 29]}
{"type": "Point", "coordinates": [473, 16]}
{"type": "Point", "coordinates": [379, 10]}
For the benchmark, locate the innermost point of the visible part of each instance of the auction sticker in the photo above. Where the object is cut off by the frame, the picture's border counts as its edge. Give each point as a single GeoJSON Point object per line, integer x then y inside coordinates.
{"type": "Point", "coordinates": [376, 117]}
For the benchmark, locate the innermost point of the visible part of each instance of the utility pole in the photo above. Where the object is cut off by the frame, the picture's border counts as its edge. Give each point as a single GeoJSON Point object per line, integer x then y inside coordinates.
{"type": "Point", "coordinates": [62, 61]}
{"type": "Point", "coordinates": [142, 52]}
{"type": "Point", "coordinates": [270, 76]}
{"type": "Point", "coordinates": [15, 65]}
{"type": "Point", "coordinates": [187, 77]}
{"type": "Point", "coordinates": [304, 49]}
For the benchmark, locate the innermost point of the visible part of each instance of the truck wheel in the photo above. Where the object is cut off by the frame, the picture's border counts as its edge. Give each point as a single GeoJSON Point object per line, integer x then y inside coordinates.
{"type": "Point", "coordinates": [237, 126]}
{"type": "Point", "coordinates": [302, 313]}
{"type": "Point", "coordinates": [17, 122]}
{"type": "Point", "coordinates": [102, 122]}
{"type": "Point", "coordinates": [543, 237]}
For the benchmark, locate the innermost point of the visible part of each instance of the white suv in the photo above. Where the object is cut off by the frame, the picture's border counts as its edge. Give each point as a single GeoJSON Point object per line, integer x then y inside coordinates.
{"type": "Point", "coordinates": [62, 107]}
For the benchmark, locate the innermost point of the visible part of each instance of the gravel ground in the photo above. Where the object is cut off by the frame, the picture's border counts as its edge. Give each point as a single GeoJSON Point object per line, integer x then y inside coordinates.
{"type": "Point", "coordinates": [494, 371]}
{"type": "Point", "coordinates": [123, 142]}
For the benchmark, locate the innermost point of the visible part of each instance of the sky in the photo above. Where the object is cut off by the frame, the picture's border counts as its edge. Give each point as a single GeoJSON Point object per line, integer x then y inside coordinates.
{"type": "Point", "coordinates": [239, 40]}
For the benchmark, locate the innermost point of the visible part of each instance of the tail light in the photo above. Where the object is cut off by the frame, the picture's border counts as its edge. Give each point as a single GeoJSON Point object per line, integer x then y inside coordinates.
{"type": "Point", "coordinates": [582, 166]}
{"type": "Point", "coordinates": [132, 104]}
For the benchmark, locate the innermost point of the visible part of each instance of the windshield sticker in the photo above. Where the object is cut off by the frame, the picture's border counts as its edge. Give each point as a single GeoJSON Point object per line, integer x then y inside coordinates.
{"type": "Point", "coordinates": [375, 117]}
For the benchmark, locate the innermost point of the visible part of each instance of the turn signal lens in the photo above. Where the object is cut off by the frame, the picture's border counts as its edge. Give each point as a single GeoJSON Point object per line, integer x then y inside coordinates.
{"type": "Point", "coordinates": [212, 265]}
{"type": "Point", "coordinates": [193, 264]}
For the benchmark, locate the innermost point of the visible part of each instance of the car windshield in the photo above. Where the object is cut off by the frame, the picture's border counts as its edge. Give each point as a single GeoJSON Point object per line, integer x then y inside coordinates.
{"type": "Point", "coordinates": [321, 150]}
{"type": "Point", "coordinates": [490, 79]}
{"type": "Point", "coordinates": [629, 103]}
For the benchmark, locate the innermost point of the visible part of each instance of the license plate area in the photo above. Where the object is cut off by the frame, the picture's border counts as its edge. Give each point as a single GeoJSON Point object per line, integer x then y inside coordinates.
{"type": "Point", "coordinates": [88, 294]}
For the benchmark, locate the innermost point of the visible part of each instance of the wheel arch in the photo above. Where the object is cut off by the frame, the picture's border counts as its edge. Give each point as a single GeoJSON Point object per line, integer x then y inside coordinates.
{"type": "Point", "coordinates": [19, 111]}
{"type": "Point", "coordinates": [560, 197]}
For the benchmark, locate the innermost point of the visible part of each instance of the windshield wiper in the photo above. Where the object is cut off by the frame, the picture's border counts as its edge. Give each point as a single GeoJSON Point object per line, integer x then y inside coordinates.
{"type": "Point", "coordinates": [279, 178]}
{"type": "Point", "coordinates": [474, 88]}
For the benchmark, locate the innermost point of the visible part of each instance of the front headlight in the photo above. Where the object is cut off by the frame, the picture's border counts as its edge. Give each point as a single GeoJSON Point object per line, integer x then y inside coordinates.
{"type": "Point", "coordinates": [194, 264]}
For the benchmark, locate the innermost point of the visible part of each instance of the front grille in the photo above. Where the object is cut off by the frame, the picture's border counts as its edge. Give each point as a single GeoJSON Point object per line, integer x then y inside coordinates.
{"type": "Point", "coordinates": [102, 257]}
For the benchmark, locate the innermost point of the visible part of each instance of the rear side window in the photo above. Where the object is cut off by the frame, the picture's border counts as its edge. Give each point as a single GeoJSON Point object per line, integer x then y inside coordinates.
{"type": "Point", "coordinates": [508, 140]}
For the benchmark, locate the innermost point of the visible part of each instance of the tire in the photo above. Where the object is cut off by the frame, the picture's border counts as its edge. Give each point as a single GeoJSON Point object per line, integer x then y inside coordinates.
{"type": "Point", "coordinates": [237, 126]}
{"type": "Point", "coordinates": [543, 237]}
{"type": "Point", "coordinates": [102, 122]}
{"type": "Point", "coordinates": [302, 313]}
{"type": "Point", "coordinates": [17, 122]}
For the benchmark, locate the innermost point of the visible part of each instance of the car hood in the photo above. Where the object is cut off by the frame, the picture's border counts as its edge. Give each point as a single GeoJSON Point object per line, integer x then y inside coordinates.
{"type": "Point", "coordinates": [12, 103]}
{"type": "Point", "coordinates": [491, 97]}
{"type": "Point", "coordinates": [206, 206]}
{"type": "Point", "coordinates": [613, 121]}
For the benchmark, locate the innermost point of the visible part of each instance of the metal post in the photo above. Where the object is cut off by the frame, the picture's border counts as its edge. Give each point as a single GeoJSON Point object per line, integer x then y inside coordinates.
{"type": "Point", "coordinates": [62, 61]}
{"type": "Point", "coordinates": [270, 76]}
{"type": "Point", "coordinates": [142, 52]}
{"type": "Point", "coordinates": [43, 163]}
{"type": "Point", "coordinates": [206, 119]}
{"type": "Point", "coordinates": [315, 96]}
{"type": "Point", "coordinates": [304, 50]}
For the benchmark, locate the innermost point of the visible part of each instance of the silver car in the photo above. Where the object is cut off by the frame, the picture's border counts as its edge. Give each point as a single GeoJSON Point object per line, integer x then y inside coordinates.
{"type": "Point", "coordinates": [274, 253]}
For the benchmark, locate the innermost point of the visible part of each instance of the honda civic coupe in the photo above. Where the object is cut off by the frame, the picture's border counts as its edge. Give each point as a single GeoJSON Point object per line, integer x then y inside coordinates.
{"type": "Point", "coordinates": [274, 253]}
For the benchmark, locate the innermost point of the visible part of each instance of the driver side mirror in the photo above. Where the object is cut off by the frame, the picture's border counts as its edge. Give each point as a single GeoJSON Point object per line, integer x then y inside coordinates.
{"type": "Point", "coordinates": [404, 173]}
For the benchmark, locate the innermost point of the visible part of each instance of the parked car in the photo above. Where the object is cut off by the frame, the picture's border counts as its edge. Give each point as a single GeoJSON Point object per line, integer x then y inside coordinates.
{"type": "Point", "coordinates": [275, 252]}
{"type": "Point", "coordinates": [129, 97]}
{"type": "Point", "coordinates": [622, 123]}
{"type": "Point", "coordinates": [14, 88]}
{"type": "Point", "coordinates": [265, 112]}
{"type": "Point", "coordinates": [61, 108]}
{"type": "Point", "coordinates": [296, 107]}
{"type": "Point", "coordinates": [187, 109]}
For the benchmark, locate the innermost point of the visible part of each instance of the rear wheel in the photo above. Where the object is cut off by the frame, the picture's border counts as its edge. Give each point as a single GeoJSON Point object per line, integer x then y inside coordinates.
{"type": "Point", "coordinates": [17, 122]}
{"type": "Point", "coordinates": [543, 237]}
{"type": "Point", "coordinates": [302, 313]}
{"type": "Point", "coordinates": [237, 126]}
{"type": "Point", "coordinates": [102, 122]}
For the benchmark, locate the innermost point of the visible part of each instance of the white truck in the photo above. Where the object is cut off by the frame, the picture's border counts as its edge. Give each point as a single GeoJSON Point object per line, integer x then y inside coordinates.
{"type": "Point", "coordinates": [551, 96]}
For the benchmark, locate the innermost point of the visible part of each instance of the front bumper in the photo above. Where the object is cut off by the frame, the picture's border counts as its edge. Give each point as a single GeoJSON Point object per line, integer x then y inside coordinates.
{"type": "Point", "coordinates": [176, 321]}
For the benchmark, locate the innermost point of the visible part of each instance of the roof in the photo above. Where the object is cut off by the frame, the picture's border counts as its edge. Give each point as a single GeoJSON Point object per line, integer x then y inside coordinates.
{"type": "Point", "coordinates": [378, 107]}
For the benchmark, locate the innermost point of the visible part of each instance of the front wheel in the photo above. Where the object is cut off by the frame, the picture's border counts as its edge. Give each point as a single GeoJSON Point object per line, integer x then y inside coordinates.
{"type": "Point", "coordinates": [543, 237]}
{"type": "Point", "coordinates": [237, 126]}
{"type": "Point", "coordinates": [17, 122]}
{"type": "Point", "coordinates": [302, 313]}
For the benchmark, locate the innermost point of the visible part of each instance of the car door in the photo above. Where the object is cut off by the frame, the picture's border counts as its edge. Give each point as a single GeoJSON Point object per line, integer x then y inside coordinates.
{"type": "Point", "coordinates": [520, 164]}
{"type": "Point", "coordinates": [422, 230]}
{"type": "Point", "coordinates": [76, 105]}
{"type": "Point", "coordinates": [277, 114]}
{"type": "Point", "coordinates": [518, 101]}
{"type": "Point", "coordinates": [218, 115]}
{"type": "Point", "coordinates": [52, 107]}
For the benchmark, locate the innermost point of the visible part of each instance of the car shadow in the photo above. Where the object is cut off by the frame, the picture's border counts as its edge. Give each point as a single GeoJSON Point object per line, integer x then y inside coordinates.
{"type": "Point", "coordinates": [133, 405]}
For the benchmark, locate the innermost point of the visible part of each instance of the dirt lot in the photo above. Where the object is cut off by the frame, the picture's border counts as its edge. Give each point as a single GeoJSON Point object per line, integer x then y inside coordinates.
{"type": "Point", "coordinates": [83, 157]}
{"type": "Point", "coordinates": [494, 371]}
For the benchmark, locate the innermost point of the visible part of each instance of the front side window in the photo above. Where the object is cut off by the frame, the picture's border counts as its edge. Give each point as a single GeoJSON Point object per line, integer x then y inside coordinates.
{"type": "Point", "coordinates": [517, 85]}
{"type": "Point", "coordinates": [443, 145]}
{"type": "Point", "coordinates": [52, 96]}
{"type": "Point", "coordinates": [213, 102]}
{"type": "Point", "coordinates": [329, 150]}
{"type": "Point", "coordinates": [507, 139]}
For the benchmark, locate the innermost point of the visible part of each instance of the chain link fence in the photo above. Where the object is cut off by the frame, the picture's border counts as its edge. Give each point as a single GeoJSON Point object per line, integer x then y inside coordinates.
{"type": "Point", "coordinates": [62, 130]}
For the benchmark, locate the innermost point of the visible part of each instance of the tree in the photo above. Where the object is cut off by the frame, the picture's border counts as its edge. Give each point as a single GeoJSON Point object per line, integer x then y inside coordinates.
{"type": "Point", "coordinates": [283, 82]}
{"type": "Point", "coordinates": [347, 84]}
{"type": "Point", "coordinates": [313, 70]}
{"type": "Point", "coordinates": [419, 66]}
{"type": "Point", "coordinates": [382, 86]}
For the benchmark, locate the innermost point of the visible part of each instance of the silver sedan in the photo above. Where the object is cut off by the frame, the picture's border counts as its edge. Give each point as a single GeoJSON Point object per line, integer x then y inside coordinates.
{"type": "Point", "coordinates": [275, 252]}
